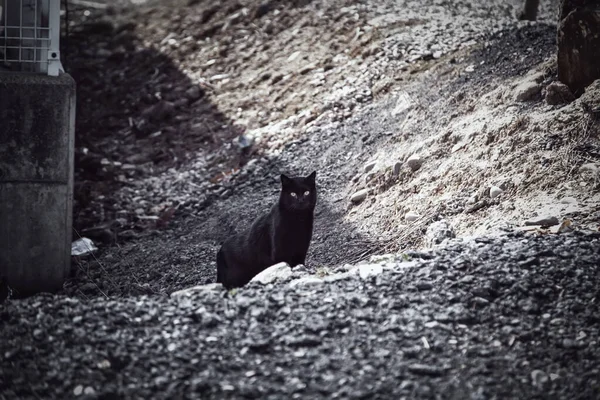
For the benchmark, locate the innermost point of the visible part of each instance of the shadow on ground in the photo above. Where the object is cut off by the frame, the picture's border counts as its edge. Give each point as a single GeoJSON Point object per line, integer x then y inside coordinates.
{"type": "Point", "coordinates": [137, 115]}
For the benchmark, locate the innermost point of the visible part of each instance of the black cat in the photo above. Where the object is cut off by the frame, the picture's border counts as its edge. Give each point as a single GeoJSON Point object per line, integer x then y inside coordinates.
{"type": "Point", "coordinates": [283, 234]}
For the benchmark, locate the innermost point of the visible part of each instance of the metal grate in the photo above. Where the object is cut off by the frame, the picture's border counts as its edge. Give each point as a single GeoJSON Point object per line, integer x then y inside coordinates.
{"type": "Point", "coordinates": [29, 36]}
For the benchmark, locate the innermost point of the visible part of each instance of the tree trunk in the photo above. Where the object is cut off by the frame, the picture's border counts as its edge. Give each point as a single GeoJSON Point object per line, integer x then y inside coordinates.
{"type": "Point", "coordinates": [579, 44]}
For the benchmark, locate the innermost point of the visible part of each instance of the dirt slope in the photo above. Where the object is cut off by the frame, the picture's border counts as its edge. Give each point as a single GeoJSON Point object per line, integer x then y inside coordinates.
{"type": "Point", "coordinates": [203, 106]}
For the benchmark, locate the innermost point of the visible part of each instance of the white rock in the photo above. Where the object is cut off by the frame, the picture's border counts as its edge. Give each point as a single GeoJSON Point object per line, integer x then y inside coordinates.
{"type": "Point", "coordinates": [404, 103]}
{"type": "Point", "coordinates": [78, 391]}
{"type": "Point", "coordinates": [411, 216]}
{"type": "Point", "coordinates": [370, 166]}
{"type": "Point", "coordinates": [339, 277]}
{"type": "Point", "coordinates": [82, 247]}
{"type": "Point", "coordinates": [306, 281]}
{"type": "Point", "coordinates": [539, 377]}
{"type": "Point", "coordinates": [414, 162]}
{"type": "Point", "coordinates": [195, 289]}
{"type": "Point", "coordinates": [495, 191]}
{"type": "Point", "coordinates": [404, 265]}
{"type": "Point", "coordinates": [293, 56]}
{"type": "Point", "coordinates": [439, 231]}
{"type": "Point", "coordinates": [544, 220]}
{"type": "Point", "coordinates": [368, 270]}
{"type": "Point", "coordinates": [527, 91]}
{"type": "Point", "coordinates": [568, 200]}
{"type": "Point", "coordinates": [280, 271]}
{"type": "Point", "coordinates": [359, 196]}
{"type": "Point", "coordinates": [437, 54]}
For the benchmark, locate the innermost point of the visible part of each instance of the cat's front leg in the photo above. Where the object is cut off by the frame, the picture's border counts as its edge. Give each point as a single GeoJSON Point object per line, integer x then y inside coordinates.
{"type": "Point", "coordinates": [298, 260]}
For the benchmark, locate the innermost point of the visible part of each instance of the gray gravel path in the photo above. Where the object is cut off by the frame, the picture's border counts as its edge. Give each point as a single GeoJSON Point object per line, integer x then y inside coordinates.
{"type": "Point", "coordinates": [495, 318]}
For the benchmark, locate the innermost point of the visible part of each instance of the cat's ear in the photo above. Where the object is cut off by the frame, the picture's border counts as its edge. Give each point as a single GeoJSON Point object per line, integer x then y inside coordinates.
{"type": "Point", "coordinates": [311, 178]}
{"type": "Point", "coordinates": [285, 181]}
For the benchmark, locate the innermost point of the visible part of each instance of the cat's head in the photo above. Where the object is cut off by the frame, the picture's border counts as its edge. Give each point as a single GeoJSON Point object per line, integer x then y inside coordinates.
{"type": "Point", "coordinates": [298, 194]}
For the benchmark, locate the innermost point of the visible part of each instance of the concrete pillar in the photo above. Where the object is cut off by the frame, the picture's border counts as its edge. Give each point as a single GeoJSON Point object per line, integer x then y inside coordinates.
{"type": "Point", "coordinates": [37, 126]}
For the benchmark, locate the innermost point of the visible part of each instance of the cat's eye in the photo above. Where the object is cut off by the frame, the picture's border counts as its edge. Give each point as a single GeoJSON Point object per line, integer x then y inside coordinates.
{"type": "Point", "coordinates": [293, 194]}
{"type": "Point", "coordinates": [306, 193]}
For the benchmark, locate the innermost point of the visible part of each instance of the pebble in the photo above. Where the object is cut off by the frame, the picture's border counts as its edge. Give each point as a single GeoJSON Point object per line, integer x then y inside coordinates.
{"type": "Point", "coordinates": [412, 216]}
{"type": "Point", "coordinates": [359, 196]}
{"type": "Point", "coordinates": [397, 168]}
{"type": "Point", "coordinates": [89, 391]}
{"type": "Point", "coordinates": [369, 166]}
{"type": "Point", "coordinates": [368, 270]}
{"type": "Point", "coordinates": [306, 281]}
{"type": "Point", "coordinates": [527, 91]}
{"type": "Point", "coordinates": [544, 220]}
{"type": "Point", "coordinates": [568, 200]}
{"type": "Point", "coordinates": [425, 369]}
{"type": "Point", "coordinates": [200, 288]}
{"type": "Point", "coordinates": [539, 377]}
{"type": "Point", "coordinates": [423, 286]}
{"type": "Point", "coordinates": [414, 162]}
{"type": "Point", "coordinates": [439, 231]}
{"type": "Point", "coordinates": [193, 93]}
{"type": "Point", "coordinates": [558, 93]}
{"type": "Point", "coordinates": [495, 191]}
{"type": "Point", "coordinates": [78, 391]}
{"type": "Point", "coordinates": [277, 272]}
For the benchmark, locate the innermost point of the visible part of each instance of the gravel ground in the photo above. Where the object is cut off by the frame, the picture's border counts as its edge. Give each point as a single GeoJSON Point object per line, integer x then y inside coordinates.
{"type": "Point", "coordinates": [493, 318]}
{"type": "Point", "coordinates": [161, 180]}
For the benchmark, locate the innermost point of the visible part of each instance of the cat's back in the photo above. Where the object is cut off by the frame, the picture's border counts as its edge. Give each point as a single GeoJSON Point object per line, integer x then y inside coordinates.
{"type": "Point", "coordinates": [248, 237]}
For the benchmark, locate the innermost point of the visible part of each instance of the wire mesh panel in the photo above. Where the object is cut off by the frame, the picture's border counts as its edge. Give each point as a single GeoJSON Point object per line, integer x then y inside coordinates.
{"type": "Point", "coordinates": [29, 36]}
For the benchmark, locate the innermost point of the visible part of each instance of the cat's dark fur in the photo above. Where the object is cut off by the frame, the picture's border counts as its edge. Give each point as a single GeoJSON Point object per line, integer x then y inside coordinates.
{"type": "Point", "coordinates": [282, 234]}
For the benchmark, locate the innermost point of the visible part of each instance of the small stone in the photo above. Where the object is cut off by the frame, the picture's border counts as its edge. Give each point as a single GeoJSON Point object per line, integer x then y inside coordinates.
{"type": "Point", "coordinates": [89, 391]}
{"type": "Point", "coordinates": [572, 344]}
{"type": "Point", "coordinates": [558, 93]}
{"type": "Point", "coordinates": [359, 196]}
{"type": "Point", "coordinates": [293, 56]}
{"type": "Point", "coordinates": [397, 168]}
{"type": "Point", "coordinates": [277, 272]}
{"type": "Point", "coordinates": [424, 369]}
{"type": "Point", "coordinates": [495, 191]}
{"type": "Point", "coordinates": [543, 221]}
{"type": "Point", "coordinates": [414, 162]}
{"type": "Point", "coordinates": [539, 377]}
{"type": "Point", "coordinates": [193, 93]}
{"type": "Point", "coordinates": [439, 231]}
{"type": "Point", "coordinates": [568, 200]}
{"type": "Point", "coordinates": [369, 167]}
{"type": "Point", "coordinates": [423, 286]}
{"type": "Point", "coordinates": [437, 54]}
{"type": "Point", "coordinates": [78, 391]}
{"type": "Point", "coordinates": [200, 288]}
{"type": "Point", "coordinates": [412, 216]}
{"type": "Point", "coordinates": [527, 91]}
{"type": "Point", "coordinates": [368, 270]}
{"type": "Point", "coordinates": [404, 103]}
{"type": "Point", "coordinates": [306, 281]}
{"type": "Point", "coordinates": [82, 247]}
